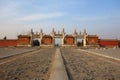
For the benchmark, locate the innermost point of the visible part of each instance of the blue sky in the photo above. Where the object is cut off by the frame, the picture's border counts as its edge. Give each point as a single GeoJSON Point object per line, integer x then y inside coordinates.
{"type": "Point", "coordinates": [101, 17]}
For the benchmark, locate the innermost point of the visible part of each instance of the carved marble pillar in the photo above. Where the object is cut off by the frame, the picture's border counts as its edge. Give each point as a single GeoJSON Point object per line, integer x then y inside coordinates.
{"type": "Point", "coordinates": [41, 36]}
{"type": "Point", "coordinates": [63, 36]}
{"type": "Point", "coordinates": [75, 40]}
{"type": "Point", "coordinates": [84, 40]}
{"type": "Point", "coordinates": [31, 37]}
{"type": "Point", "coordinates": [53, 36]}
{"type": "Point", "coordinates": [75, 37]}
{"type": "Point", "coordinates": [63, 41]}
{"type": "Point", "coordinates": [53, 40]}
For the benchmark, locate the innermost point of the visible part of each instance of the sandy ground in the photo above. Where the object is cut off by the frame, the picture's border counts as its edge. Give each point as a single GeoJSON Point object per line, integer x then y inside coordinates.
{"type": "Point", "coordinates": [84, 66]}
{"type": "Point", "coordinates": [113, 52]}
{"type": "Point", "coordinates": [32, 67]}
{"type": "Point", "coordinates": [5, 52]}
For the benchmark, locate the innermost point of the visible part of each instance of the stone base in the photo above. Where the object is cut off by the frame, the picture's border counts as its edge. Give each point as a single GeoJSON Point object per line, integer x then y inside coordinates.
{"type": "Point", "coordinates": [69, 45]}
{"type": "Point", "coordinates": [46, 46]}
{"type": "Point", "coordinates": [92, 46]}
{"type": "Point", "coordinates": [23, 46]}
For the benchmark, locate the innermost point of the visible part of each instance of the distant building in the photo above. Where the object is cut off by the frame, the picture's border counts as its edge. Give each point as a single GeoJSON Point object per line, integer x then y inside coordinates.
{"type": "Point", "coordinates": [67, 40]}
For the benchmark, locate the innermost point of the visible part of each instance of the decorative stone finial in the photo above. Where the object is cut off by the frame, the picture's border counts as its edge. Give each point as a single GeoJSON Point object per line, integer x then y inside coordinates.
{"type": "Point", "coordinates": [75, 32]}
{"type": "Point", "coordinates": [53, 30]}
{"type": "Point", "coordinates": [36, 33]}
{"type": "Point", "coordinates": [41, 31]}
{"type": "Point", "coordinates": [80, 32]}
{"type": "Point", "coordinates": [32, 31]}
{"type": "Point", "coordinates": [63, 31]}
{"type": "Point", "coordinates": [58, 32]}
{"type": "Point", "coordinates": [85, 31]}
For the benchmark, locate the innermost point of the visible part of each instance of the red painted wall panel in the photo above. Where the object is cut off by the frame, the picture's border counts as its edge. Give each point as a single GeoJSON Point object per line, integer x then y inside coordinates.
{"type": "Point", "coordinates": [92, 40]}
{"type": "Point", "coordinates": [15, 42]}
{"type": "Point", "coordinates": [108, 43]}
{"type": "Point", "coordinates": [47, 40]}
{"type": "Point", "coordinates": [23, 41]}
{"type": "Point", "coordinates": [5, 43]}
{"type": "Point", "coordinates": [69, 40]}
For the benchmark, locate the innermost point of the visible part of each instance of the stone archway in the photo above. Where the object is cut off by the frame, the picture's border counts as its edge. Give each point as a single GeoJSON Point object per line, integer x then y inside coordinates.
{"type": "Point", "coordinates": [66, 40]}
{"type": "Point", "coordinates": [58, 42]}
{"type": "Point", "coordinates": [36, 42]}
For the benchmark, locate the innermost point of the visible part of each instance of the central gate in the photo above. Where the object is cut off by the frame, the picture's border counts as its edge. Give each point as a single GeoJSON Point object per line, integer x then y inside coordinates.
{"type": "Point", "coordinates": [64, 40]}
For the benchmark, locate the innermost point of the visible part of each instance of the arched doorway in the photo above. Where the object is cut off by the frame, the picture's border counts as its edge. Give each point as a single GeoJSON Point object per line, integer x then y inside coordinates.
{"type": "Point", "coordinates": [79, 42]}
{"type": "Point", "coordinates": [35, 42]}
{"type": "Point", "coordinates": [58, 42]}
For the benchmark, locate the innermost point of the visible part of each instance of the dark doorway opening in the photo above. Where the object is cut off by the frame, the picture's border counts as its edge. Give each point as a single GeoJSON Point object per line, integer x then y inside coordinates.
{"type": "Point", "coordinates": [36, 42]}
{"type": "Point", "coordinates": [79, 42]}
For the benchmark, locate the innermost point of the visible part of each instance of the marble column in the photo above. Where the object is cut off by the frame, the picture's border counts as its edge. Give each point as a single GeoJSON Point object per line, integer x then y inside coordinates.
{"type": "Point", "coordinates": [63, 41]}
{"type": "Point", "coordinates": [41, 36]}
{"type": "Point", "coordinates": [84, 40]}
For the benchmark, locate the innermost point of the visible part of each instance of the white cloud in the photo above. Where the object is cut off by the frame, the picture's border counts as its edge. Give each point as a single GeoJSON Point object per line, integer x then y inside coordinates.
{"type": "Point", "coordinates": [41, 16]}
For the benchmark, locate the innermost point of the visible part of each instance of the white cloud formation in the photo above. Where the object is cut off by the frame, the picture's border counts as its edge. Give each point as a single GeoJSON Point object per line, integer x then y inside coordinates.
{"type": "Point", "coordinates": [41, 16]}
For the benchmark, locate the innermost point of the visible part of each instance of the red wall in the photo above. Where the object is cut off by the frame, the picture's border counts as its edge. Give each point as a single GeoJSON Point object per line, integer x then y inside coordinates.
{"type": "Point", "coordinates": [92, 40]}
{"type": "Point", "coordinates": [69, 40]}
{"type": "Point", "coordinates": [47, 40]}
{"type": "Point", "coordinates": [108, 43]}
{"type": "Point", "coordinates": [5, 43]}
{"type": "Point", "coordinates": [15, 42]}
{"type": "Point", "coordinates": [23, 41]}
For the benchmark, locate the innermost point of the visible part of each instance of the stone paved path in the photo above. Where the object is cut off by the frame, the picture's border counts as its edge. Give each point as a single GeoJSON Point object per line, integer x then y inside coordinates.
{"type": "Point", "coordinates": [79, 64]}
{"type": "Point", "coordinates": [112, 52]}
{"type": "Point", "coordinates": [85, 66]}
{"type": "Point", "coordinates": [5, 52]}
{"type": "Point", "coordinates": [32, 67]}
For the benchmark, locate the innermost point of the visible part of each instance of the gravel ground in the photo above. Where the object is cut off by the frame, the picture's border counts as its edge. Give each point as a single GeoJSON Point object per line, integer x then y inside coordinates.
{"type": "Point", "coordinates": [32, 67]}
{"type": "Point", "coordinates": [85, 66]}
{"type": "Point", "coordinates": [5, 52]}
{"type": "Point", "coordinates": [113, 52]}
